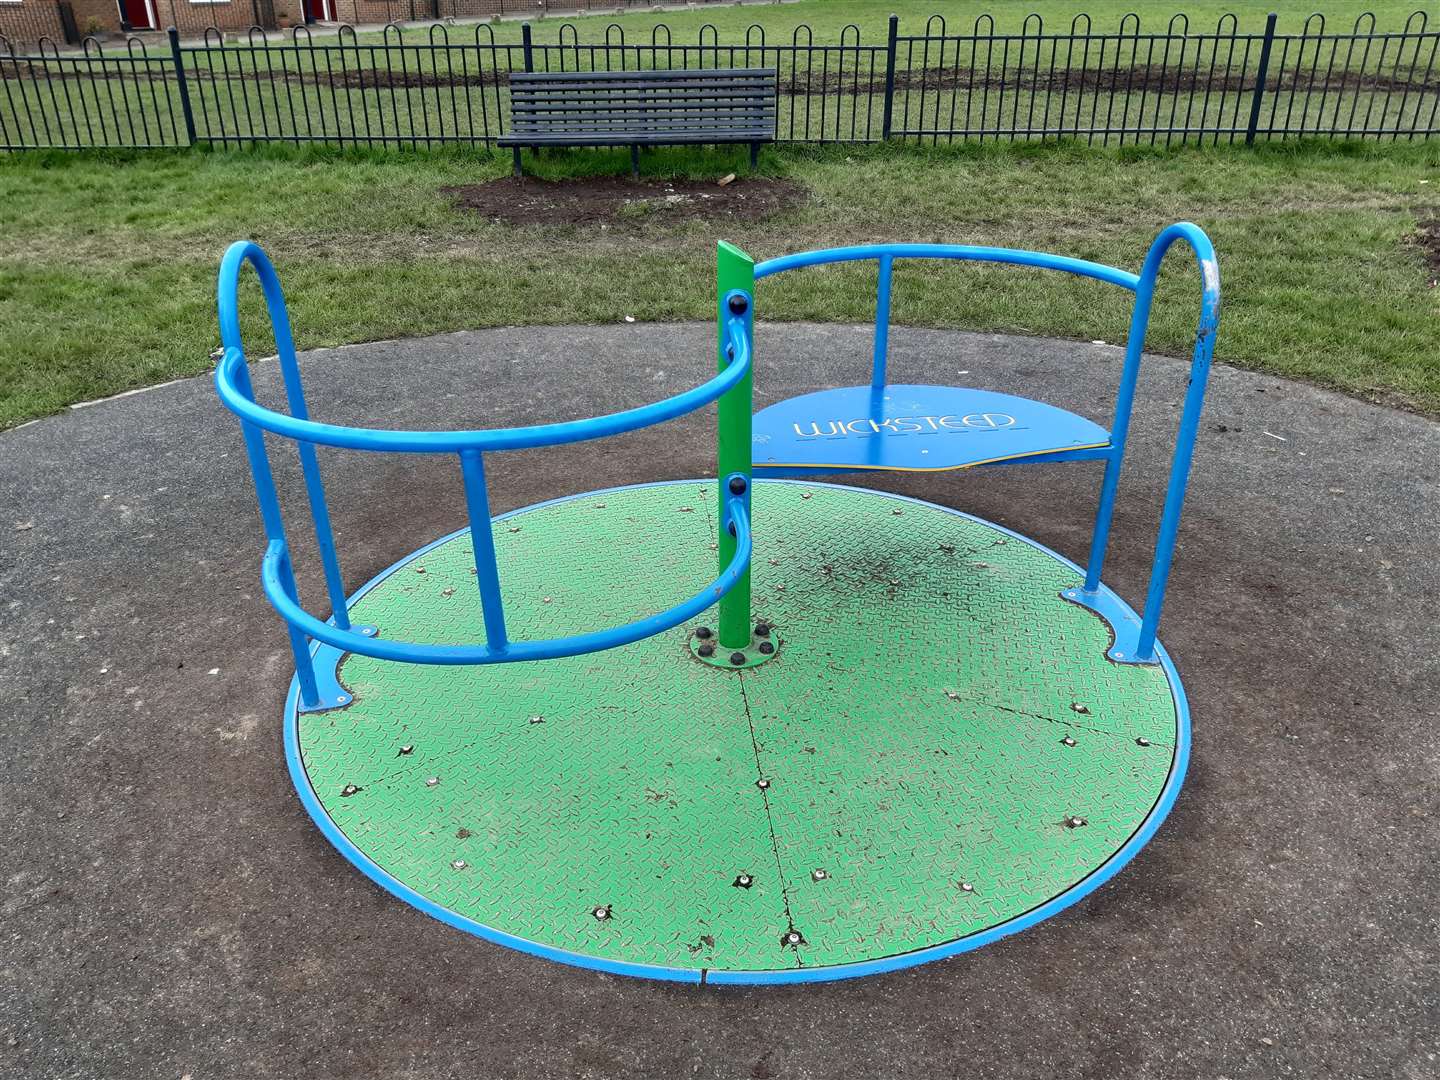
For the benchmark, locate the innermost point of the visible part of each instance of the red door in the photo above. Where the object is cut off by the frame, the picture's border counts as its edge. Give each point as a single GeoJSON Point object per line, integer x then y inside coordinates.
{"type": "Point", "coordinates": [138, 14]}
{"type": "Point", "coordinates": [319, 11]}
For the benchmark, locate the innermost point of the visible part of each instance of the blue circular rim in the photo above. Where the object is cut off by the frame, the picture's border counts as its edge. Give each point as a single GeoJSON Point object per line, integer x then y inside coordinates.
{"type": "Point", "coordinates": [1075, 893]}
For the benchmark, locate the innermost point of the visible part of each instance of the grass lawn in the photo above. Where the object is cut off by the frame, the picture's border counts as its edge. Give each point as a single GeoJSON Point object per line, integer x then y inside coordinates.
{"type": "Point", "coordinates": [107, 278]}
{"type": "Point", "coordinates": [827, 17]}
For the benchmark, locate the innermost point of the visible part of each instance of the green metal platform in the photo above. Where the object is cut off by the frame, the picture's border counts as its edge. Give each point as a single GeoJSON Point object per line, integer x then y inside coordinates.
{"type": "Point", "coordinates": [937, 749]}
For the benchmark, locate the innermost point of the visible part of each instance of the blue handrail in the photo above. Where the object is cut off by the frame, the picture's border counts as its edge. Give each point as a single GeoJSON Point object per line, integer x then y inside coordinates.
{"type": "Point", "coordinates": [964, 252]}
{"type": "Point", "coordinates": [232, 382]}
{"type": "Point", "coordinates": [1142, 648]}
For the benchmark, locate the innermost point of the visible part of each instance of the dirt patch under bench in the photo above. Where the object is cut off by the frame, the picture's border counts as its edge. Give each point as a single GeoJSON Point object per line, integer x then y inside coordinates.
{"type": "Point", "coordinates": [1427, 239]}
{"type": "Point", "coordinates": [615, 199]}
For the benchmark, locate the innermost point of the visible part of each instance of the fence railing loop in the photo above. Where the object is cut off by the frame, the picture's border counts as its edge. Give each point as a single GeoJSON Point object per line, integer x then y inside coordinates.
{"type": "Point", "coordinates": [929, 83]}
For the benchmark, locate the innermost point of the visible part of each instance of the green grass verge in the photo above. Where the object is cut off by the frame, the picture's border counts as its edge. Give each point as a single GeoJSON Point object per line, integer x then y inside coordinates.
{"type": "Point", "coordinates": [827, 17]}
{"type": "Point", "coordinates": [107, 281]}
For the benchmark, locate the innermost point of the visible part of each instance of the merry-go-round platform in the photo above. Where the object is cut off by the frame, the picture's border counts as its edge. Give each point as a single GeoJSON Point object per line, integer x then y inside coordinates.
{"type": "Point", "coordinates": [938, 753]}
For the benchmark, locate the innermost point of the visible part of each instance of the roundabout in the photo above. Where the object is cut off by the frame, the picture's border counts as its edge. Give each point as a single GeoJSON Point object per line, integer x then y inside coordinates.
{"type": "Point", "coordinates": [908, 733]}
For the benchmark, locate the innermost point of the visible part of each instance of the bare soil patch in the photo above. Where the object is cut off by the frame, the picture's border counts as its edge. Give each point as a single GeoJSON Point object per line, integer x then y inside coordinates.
{"type": "Point", "coordinates": [1427, 239]}
{"type": "Point", "coordinates": [616, 199]}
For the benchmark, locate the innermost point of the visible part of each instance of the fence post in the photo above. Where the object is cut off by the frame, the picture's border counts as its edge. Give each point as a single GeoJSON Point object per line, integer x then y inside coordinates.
{"type": "Point", "coordinates": [1260, 79]}
{"type": "Point", "coordinates": [179, 62]}
{"type": "Point", "coordinates": [529, 47]}
{"type": "Point", "coordinates": [890, 75]}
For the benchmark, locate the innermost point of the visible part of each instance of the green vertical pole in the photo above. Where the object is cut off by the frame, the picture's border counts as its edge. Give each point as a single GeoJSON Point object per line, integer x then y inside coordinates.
{"type": "Point", "coordinates": [734, 272]}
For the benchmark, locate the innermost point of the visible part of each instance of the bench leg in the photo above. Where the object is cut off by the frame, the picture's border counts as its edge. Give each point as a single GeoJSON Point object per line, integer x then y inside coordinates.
{"type": "Point", "coordinates": [754, 156]}
{"type": "Point", "coordinates": [520, 172]}
{"type": "Point", "coordinates": [635, 160]}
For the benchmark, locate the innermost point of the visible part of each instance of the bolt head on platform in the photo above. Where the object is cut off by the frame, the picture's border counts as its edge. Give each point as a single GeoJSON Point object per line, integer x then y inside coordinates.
{"type": "Point", "coordinates": [743, 881]}
{"type": "Point", "coordinates": [432, 781]}
{"type": "Point", "coordinates": [762, 629]}
{"type": "Point", "coordinates": [348, 790]}
{"type": "Point", "coordinates": [706, 650]}
{"type": "Point", "coordinates": [1074, 822]}
{"type": "Point", "coordinates": [737, 658]}
{"type": "Point", "coordinates": [601, 912]}
{"type": "Point", "coordinates": [1083, 710]}
{"type": "Point", "coordinates": [792, 938]}
{"type": "Point", "coordinates": [459, 864]}
{"type": "Point", "coordinates": [1068, 741]}
{"type": "Point", "coordinates": [407, 749]}
{"type": "Point", "coordinates": [1142, 741]}
{"type": "Point", "coordinates": [703, 632]}
{"type": "Point", "coordinates": [965, 886]}
{"type": "Point", "coordinates": [818, 875]}
{"type": "Point", "coordinates": [767, 648]}
{"type": "Point", "coordinates": [762, 783]}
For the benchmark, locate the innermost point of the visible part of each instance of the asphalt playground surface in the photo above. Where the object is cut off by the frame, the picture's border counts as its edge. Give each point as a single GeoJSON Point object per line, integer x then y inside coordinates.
{"type": "Point", "coordinates": [169, 910]}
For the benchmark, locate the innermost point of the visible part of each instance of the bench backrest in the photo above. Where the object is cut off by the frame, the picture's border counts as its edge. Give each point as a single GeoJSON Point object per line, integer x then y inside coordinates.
{"type": "Point", "coordinates": [738, 103]}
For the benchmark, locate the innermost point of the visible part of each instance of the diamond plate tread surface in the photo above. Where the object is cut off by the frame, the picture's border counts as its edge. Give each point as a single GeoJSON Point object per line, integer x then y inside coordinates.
{"type": "Point", "coordinates": [934, 724]}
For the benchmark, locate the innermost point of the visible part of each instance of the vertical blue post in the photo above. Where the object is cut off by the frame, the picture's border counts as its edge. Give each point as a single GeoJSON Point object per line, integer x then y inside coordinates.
{"type": "Point", "coordinates": [1185, 437]}
{"type": "Point", "coordinates": [228, 305]}
{"type": "Point", "coordinates": [1119, 431]}
{"type": "Point", "coordinates": [275, 535]}
{"type": "Point", "coordinates": [482, 542]}
{"type": "Point", "coordinates": [1175, 495]}
{"type": "Point", "coordinates": [882, 325]}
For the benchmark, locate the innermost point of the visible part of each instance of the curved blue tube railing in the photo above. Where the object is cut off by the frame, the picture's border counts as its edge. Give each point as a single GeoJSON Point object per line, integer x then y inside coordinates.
{"type": "Point", "coordinates": [273, 577]}
{"type": "Point", "coordinates": [963, 252]}
{"type": "Point", "coordinates": [232, 381]}
{"type": "Point", "coordinates": [1133, 644]}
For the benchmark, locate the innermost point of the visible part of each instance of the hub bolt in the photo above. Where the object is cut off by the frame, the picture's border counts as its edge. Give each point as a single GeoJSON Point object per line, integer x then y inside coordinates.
{"type": "Point", "coordinates": [767, 648]}
{"type": "Point", "coordinates": [737, 658]}
{"type": "Point", "coordinates": [762, 629]}
{"type": "Point", "coordinates": [706, 650]}
{"type": "Point", "coordinates": [702, 632]}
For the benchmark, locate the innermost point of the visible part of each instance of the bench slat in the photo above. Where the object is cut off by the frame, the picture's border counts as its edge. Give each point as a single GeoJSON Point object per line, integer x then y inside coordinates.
{"type": "Point", "coordinates": [630, 99]}
{"type": "Point", "coordinates": [678, 74]}
{"type": "Point", "coordinates": [627, 139]}
{"type": "Point", "coordinates": [579, 120]}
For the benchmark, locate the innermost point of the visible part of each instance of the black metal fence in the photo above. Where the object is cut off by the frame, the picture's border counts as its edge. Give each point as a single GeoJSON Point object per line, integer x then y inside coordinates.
{"type": "Point", "coordinates": [444, 84]}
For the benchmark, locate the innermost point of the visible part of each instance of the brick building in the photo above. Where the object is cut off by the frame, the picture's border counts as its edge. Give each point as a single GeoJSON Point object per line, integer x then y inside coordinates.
{"type": "Point", "coordinates": [24, 22]}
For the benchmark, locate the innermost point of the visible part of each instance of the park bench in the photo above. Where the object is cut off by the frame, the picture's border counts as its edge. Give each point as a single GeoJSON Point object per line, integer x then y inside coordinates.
{"type": "Point", "coordinates": [641, 108]}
